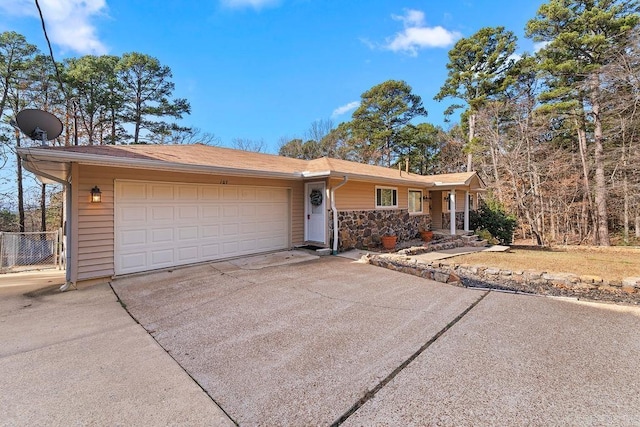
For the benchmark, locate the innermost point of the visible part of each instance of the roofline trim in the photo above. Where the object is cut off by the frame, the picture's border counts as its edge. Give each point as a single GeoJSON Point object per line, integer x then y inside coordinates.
{"type": "Point", "coordinates": [96, 160]}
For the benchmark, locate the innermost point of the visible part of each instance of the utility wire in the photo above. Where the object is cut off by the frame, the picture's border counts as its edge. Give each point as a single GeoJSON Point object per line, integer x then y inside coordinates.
{"type": "Point", "coordinates": [55, 65]}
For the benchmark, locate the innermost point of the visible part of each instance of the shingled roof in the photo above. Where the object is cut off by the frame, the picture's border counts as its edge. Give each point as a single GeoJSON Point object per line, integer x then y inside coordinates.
{"type": "Point", "coordinates": [210, 159]}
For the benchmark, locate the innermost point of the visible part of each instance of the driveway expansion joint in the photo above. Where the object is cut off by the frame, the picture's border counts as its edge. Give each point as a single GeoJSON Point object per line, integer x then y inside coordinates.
{"type": "Point", "coordinates": [371, 393]}
{"type": "Point", "coordinates": [150, 333]}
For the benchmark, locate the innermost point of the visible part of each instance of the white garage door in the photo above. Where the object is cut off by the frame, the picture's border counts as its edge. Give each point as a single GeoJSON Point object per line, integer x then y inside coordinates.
{"type": "Point", "coordinates": [161, 225]}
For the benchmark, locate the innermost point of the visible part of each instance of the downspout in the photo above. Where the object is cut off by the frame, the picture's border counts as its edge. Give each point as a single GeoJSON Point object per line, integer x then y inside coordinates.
{"type": "Point", "coordinates": [335, 214]}
{"type": "Point", "coordinates": [67, 225]}
{"type": "Point", "coordinates": [67, 236]}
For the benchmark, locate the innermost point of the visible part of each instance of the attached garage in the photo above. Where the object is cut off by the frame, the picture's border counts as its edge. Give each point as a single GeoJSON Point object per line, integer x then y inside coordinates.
{"type": "Point", "coordinates": [160, 206]}
{"type": "Point", "coordinates": [160, 224]}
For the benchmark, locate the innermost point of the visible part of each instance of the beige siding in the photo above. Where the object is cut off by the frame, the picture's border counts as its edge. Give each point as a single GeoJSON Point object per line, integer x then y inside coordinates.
{"type": "Point", "coordinates": [357, 195]}
{"type": "Point", "coordinates": [95, 221]}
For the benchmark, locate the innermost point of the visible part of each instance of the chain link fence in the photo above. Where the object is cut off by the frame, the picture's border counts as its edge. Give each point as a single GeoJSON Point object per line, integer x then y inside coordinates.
{"type": "Point", "coordinates": [30, 251]}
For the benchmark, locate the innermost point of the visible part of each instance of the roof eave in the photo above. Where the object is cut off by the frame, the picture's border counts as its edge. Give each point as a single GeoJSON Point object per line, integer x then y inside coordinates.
{"type": "Point", "coordinates": [98, 160]}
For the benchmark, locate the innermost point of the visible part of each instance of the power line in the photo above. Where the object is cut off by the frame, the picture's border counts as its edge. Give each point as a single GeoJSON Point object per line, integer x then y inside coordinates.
{"type": "Point", "coordinates": [46, 36]}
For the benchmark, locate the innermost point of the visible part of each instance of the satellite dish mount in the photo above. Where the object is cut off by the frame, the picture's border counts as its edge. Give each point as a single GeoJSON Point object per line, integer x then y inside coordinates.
{"type": "Point", "coordinates": [39, 125]}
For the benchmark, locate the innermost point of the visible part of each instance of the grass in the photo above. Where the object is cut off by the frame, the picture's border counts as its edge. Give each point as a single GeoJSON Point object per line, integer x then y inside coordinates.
{"type": "Point", "coordinates": [610, 264]}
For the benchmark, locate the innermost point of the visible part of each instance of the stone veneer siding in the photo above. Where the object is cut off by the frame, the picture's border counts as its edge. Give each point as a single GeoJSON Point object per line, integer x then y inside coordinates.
{"type": "Point", "coordinates": [446, 220]}
{"type": "Point", "coordinates": [363, 229]}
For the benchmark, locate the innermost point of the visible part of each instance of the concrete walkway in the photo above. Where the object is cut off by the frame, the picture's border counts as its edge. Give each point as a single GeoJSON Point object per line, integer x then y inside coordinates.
{"type": "Point", "coordinates": [78, 358]}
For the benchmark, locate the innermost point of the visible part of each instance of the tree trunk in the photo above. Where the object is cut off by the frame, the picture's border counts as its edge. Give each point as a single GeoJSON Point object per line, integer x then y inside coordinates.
{"type": "Point", "coordinates": [472, 134]}
{"type": "Point", "coordinates": [601, 183]}
{"type": "Point", "coordinates": [587, 202]}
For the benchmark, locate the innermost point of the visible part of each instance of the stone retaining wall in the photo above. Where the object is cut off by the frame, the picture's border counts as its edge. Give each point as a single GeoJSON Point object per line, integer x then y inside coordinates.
{"type": "Point", "coordinates": [527, 281]}
{"type": "Point", "coordinates": [363, 229]}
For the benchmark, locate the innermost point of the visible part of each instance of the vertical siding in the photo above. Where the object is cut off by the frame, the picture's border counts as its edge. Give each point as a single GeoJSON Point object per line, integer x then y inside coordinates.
{"type": "Point", "coordinates": [95, 222]}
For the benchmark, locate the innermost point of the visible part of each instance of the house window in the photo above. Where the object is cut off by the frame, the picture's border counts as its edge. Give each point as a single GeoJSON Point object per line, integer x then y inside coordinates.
{"type": "Point", "coordinates": [415, 201]}
{"type": "Point", "coordinates": [386, 197]}
{"type": "Point", "coordinates": [471, 200]}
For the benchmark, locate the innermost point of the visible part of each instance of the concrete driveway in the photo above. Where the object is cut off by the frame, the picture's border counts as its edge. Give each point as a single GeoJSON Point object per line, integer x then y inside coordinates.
{"type": "Point", "coordinates": [78, 358]}
{"type": "Point", "coordinates": [333, 341]}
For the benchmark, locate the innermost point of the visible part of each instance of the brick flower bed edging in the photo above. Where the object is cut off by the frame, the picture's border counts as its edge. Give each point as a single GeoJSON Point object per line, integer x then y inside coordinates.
{"type": "Point", "coordinates": [525, 281]}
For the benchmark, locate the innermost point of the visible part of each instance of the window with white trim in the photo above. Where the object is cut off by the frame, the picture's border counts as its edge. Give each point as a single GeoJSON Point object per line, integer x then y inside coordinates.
{"type": "Point", "coordinates": [386, 197]}
{"type": "Point", "coordinates": [415, 201]}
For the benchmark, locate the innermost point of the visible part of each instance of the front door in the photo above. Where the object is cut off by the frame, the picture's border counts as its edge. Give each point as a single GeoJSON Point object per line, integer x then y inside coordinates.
{"type": "Point", "coordinates": [315, 212]}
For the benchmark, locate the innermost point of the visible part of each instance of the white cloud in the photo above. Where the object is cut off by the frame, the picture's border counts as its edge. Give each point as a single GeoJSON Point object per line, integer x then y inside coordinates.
{"type": "Point", "coordinates": [412, 18]}
{"type": "Point", "coordinates": [255, 4]}
{"type": "Point", "coordinates": [69, 22]}
{"type": "Point", "coordinates": [416, 35]}
{"type": "Point", "coordinates": [539, 46]}
{"type": "Point", "coordinates": [345, 108]}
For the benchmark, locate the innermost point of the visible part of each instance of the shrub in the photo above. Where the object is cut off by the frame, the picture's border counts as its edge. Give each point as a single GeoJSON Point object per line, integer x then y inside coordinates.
{"type": "Point", "coordinates": [491, 216]}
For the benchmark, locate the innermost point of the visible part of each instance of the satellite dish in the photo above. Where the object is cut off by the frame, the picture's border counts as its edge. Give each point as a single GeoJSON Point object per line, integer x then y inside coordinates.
{"type": "Point", "coordinates": [39, 125]}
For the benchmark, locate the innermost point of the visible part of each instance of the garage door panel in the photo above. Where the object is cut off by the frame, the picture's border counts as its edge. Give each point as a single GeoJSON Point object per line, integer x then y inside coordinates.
{"type": "Point", "coordinates": [161, 235]}
{"type": "Point", "coordinates": [160, 225]}
{"type": "Point", "coordinates": [230, 194]}
{"type": "Point", "coordinates": [230, 211]}
{"type": "Point", "coordinates": [187, 212]}
{"type": "Point", "coordinates": [188, 193]}
{"type": "Point", "coordinates": [160, 213]}
{"type": "Point", "coordinates": [230, 230]}
{"type": "Point", "coordinates": [161, 192]}
{"type": "Point", "coordinates": [210, 231]}
{"type": "Point", "coordinates": [248, 211]}
{"type": "Point", "coordinates": [133, 192]}
{"type": "Point", "coordinates": [133, 261]}
{"type": "Point", "coordinates": [211, 250]}
{"type": "Point", "coordinates": [209, 194]}
{"type": "Point", "coordinates": [210, 212]}
{"type": "Point", "coordinates": [133, 237]}
{"type": "Point", "coordinates": [248, 228]}
{"type": "Point", "coordinates": [161, 257]}
{"type": "Point", "coordinates": [248, 194]}
{"type": "Point", "coordinates": [129, 214]}
{"type": "Point", "coordinates": [188, 254]}
{"type": "Point", "coordinates": [230, 248]}
{"type": "Point", "coordinates": [187, 233]}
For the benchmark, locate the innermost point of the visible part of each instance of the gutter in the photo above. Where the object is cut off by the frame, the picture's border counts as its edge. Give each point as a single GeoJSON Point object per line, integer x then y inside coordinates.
{"type": "Point", "coordinates": [67, 220]}
{"type": "Point", "coordinates": [335, 214]}
{"type": "Point", "coordinates": [90, 159]}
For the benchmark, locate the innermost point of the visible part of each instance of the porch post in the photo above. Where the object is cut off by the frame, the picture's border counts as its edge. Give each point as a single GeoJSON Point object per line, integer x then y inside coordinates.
{"type": "Point", "coordinates": [466, 211]}
{"type": "Point", "coordinates": [452, 211]}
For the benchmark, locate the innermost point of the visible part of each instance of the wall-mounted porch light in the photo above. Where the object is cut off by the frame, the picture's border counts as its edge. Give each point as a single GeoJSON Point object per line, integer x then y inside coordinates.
{"type": "Point", "coordinates": [96, 195]}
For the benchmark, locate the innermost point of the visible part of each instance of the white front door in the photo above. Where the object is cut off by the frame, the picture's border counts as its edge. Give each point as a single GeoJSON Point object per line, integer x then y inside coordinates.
{"type": "Point", "coordinates": [315, 212]}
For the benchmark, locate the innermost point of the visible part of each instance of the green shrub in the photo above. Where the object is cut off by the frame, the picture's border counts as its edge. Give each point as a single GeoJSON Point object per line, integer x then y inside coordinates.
{"type": "Point", "coordinates": [491, 216]}
{"type": "Point", "coordinates": [485, 235]}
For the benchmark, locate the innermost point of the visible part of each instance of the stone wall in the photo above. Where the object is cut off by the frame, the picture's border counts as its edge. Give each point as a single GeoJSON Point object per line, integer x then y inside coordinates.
{"type": "Point", "coordinates": [363, 229]}
{"type": "Point", "coordinates": [446, 220]}
{"type": "Point", "coordinates": [525, 281]}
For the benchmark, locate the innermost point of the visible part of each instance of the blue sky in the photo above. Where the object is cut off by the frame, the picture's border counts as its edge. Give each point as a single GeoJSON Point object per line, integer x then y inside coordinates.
{"type": "Point", "coordinates": [266, 69]}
